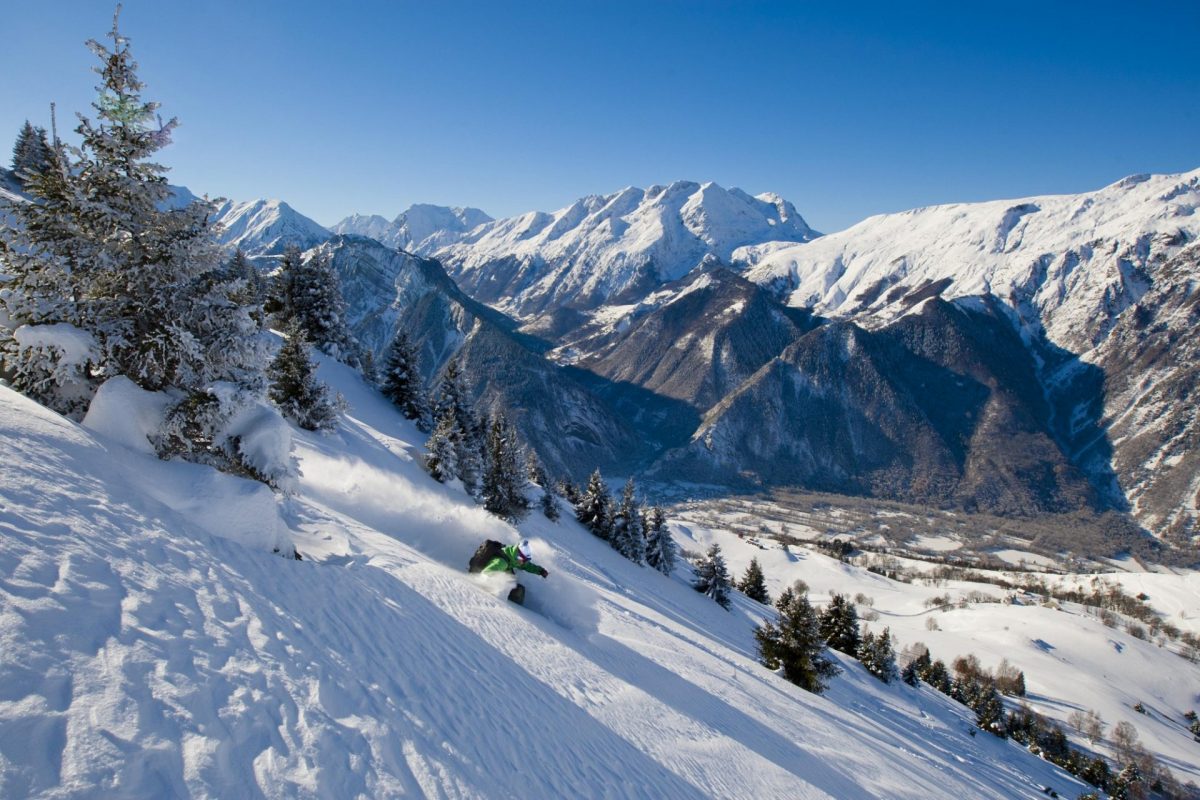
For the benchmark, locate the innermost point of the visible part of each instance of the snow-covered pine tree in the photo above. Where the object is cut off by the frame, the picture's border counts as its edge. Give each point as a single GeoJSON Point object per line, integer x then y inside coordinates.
{"type": "Point", "coordinates": [878, 656]}
{"type": "Point", "coordinates": [310, 291]}
{"type": "Point", "coordinates": [592, 510]}
{"type": "Point", "coordinates": [910, 674]}
{"type": "Point", "coordinates": [325, 311]}
{"type": "Point", "coordinates": [839, 625]}
{"type": "Point", "coordinates": [22, 148]}
{"type": "Point", "coordinates": [46, 351]}
{"type": "Point", "coordinates": [469, 444]}
{"type": "Point", "coordinates": [628, 537]}
{"type": "Point", "coordinates": [569, 491]}
{"type": "Point", "coordinates": [442, 446]}
{"type": "Point", "coordinates": [536, 474]}
{"type": "Point", "coordinates": [754, 583]}
{"type": "Point", "coordinates": [938, 677]}
{"type": "Point", "coordinates": [916, 669]}
{"type": "Point", "coordinates": [31, 152]}
{"type": "Point", "coordinates": [660, 547]}
{"type": "Point", "coordinates": [795, 645]}
{"type": "Point", "coordinates": [533, 469]}
{"type": "Point", "coordinates": [107, 278]}
{"type": "Point", "coordinates": [284, 288]}
{"type": "Point", "coordinates": [370, 373]}
{"type": "Point", "coordinates": [549, 504]}
{"type": "Point", "coordinates": [254, 292]}
{"type": "Point", "coordinates": [402, 378]}
{"type": "Point", "coordinates": [712, 577]}
{"type": "Point", "coordinates": [294, 385]}
{"type": "Point", "coordinates": [503, 479]}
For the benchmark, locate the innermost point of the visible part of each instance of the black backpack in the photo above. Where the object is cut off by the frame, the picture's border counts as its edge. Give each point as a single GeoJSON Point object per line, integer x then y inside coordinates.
{"type": "Point", "coordinates": [484, 555]}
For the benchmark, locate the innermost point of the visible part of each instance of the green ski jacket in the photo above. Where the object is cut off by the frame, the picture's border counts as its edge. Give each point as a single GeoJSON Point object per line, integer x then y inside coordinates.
{"type": "Point", "coordinates": [507, 561]}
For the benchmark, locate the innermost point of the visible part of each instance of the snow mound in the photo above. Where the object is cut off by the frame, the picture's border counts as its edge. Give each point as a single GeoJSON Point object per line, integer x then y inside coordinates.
{"type": "Point", "coordinates": [127, 414]}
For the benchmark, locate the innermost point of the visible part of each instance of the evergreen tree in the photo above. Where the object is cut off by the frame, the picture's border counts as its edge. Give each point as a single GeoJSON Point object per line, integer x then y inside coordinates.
{"type": "Point", "coordinates": [294, 385]}
{"type": "Point", "coordinates": [1127, 783]}
{"type": "Point", "coordinates": [917, 668]}
{"type": "Point", "coordinates": [989, 711]}
{"type": "Point", "coordinates": [712, 577]}
{"type": "Point", "coordinates": [537, 475]}
{"type": "Point", "coordinates": [253, 290]}
{"type": "Point", "coordinates": [592, 510]}
{"type": "Point", "coordinates": [938, 677]}
{"type": "Point", "coordinates": [469, 441]}
{"type": "Point", "coordinates": [878, 656]}
{"type": "Point", "coordinates": [533, 470]}
{"type": "Point", "coordinates": [284, 286]}
{"type": "Point", "coordinates": [795, 644]}
{"type": "Point", "coordinates": [660, 547]}
{"type": "Point", "coordinates": [754, 584]}
{"type": "Point", "coordinates": [108, 278]}
{"type": "Point", "coordinates": [310, 291]}
{"type": "Point", "coordinates": [549, 504]}
{"type": "Point", "coordinates": [402, 378]}
{"type": "Point", "coordinates": [569, 491]}
{"type": "Point", "coordinates": [628, 536]}
{"type": "Point", "coordinates": [910, 674]}
{"type": "Point", "coordinates": [1096, 772]}
{"type": "Point", "coordinates": [325, 316]}
{"type": "Point", "coordinates": [442, 446]}
{"type": "Point", "coordinates": [31, 152]}
{"type": "Point", "coordinates": [839, 625]}
{"type": "Point", "coordinates": [503, 481]}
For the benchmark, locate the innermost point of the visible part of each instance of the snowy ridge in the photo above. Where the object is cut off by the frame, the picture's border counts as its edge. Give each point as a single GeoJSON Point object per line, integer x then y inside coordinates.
{"type": "Point", "coordinates": [145, 657]}
{"type": "Point", "coordinates": [265, 227]}
{"type": "Point", "coordinates": [1068, 263]}
{"type": "Point", "coordinates": [600, 246]}
{"type": "Point", "coordinates": [420, 229]}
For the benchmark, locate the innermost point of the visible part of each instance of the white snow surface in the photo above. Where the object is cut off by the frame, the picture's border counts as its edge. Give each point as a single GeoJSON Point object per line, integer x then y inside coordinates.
{"type": "Point", "coordinates": [1067, 263]}
{"type": "Point", "coordinates": [75, 346]}
{"type": "Point", "coordinates": [600, 244]}
{"type": "Point", "coordinates": [153, 647]}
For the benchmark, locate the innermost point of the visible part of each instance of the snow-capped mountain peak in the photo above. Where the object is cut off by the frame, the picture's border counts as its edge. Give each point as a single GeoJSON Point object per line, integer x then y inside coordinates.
{"type": "Point", "coordinates": [421, 228]}
{"type": "Point", "coordinates": [1069, 263]}
{"type": "Point", "coordinates": [602, 246]}
{"type": "Point", "coordinates": [265, 227]}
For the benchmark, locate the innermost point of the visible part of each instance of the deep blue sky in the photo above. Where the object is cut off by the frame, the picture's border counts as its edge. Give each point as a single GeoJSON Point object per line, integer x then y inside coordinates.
{"type": "Point", "coordinates": [514, 107]}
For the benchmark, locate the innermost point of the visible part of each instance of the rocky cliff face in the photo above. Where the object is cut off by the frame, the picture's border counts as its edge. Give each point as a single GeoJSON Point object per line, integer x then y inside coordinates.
{"type": "Point", "coordinates": [941, 407]}
{"type": "Point", "coordinates": [695, 341]}
{"type": "Point", "coordinates": [1151, 400]}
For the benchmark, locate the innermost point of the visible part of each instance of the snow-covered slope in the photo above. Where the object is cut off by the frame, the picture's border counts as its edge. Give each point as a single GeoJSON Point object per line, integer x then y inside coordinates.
{"type": "Point", "coordinates": [146, 657]}
{"type": "Point", "coordinates": [265, 227]}
{"type": "Point", "coordinates": [421, 229]}
{"type": "Point", "coordinates": [1069, 263]}
{"type": "Point", "coordinates": [602, 246]}
{"type": "Point", "coordinates": [1071, 660]}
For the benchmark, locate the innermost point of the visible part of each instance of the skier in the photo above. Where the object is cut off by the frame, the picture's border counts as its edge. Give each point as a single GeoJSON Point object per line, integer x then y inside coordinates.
{"type": "Point", "coordinates": [512, 558]}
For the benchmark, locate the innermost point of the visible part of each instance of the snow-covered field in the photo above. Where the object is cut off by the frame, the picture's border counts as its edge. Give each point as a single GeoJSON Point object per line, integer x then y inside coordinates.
{"type": "Point", "coordinates": [1071, 660]}
{"type": "Point", "coordinates": [152, 646]}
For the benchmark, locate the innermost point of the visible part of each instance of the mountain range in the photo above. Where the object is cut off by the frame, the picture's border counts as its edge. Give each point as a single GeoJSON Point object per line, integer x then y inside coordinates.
{"type": "Point", "coordinates": [1015, 357]}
